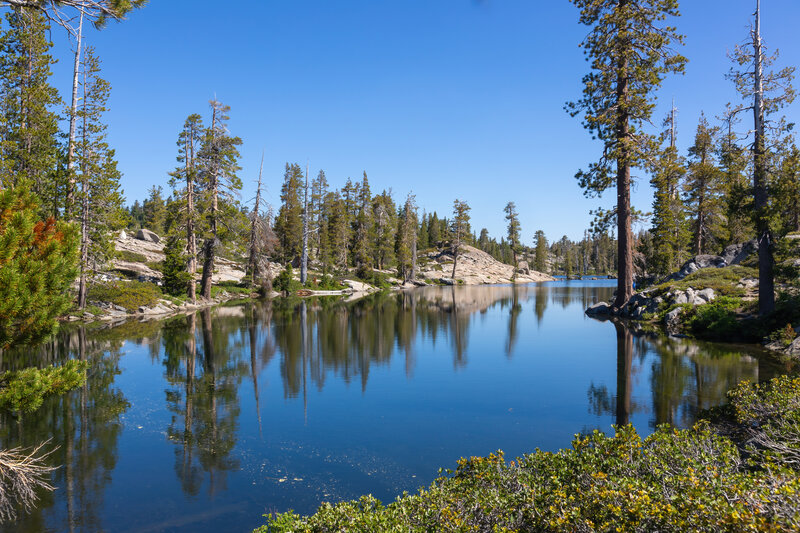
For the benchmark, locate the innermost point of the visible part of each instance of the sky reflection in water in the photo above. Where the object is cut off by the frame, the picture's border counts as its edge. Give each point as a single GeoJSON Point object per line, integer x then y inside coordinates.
{"type": "Point", "coordinates": [204, 423]}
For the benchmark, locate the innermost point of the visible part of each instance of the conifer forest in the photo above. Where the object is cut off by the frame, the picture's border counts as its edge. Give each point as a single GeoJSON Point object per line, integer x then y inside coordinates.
{"type": "Point", "coordinates": [554, 296]}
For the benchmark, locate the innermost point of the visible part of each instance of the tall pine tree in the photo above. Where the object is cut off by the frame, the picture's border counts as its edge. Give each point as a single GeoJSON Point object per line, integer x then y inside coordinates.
{"type": "Point", "coordinates": [629, 47]}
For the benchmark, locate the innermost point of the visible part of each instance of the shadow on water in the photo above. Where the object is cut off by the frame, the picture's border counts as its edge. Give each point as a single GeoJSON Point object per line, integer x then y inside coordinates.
{"type": "Point", "coordinates": [217, 417]}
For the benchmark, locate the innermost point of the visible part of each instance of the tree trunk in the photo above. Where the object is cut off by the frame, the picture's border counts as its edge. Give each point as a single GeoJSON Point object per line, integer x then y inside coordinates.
{"type": "Point", "coordinates": [72, 122]}
{"type": "Point", "coordinates": [413, 274]}
{"type": "Point", "coordinates": [253, 259]}
{"type": "Point", "coordinates": [191, 245]}
{"type": "Point", "coordinates": [82, 288]}
{"type": "Point", "coordinates": [304, 256]}
{"type": "Point", "coordinates": [208, 267]}
{"type": "Point", "coordinates": [766, 261]}
{"type": "Point", "coordinates": [624, 236]}
{"type": "Point", "coordinates": [455, 262]}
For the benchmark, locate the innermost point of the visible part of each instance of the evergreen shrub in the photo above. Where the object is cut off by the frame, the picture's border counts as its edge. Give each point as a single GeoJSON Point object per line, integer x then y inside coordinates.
{"type": "Point", "coordinates": [25, 390]}
{"type": "Point", "coordinates": [673, 480]}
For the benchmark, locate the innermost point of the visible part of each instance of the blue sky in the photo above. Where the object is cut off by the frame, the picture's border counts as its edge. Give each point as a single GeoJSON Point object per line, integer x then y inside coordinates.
{"type": "Point", "coordinates": [446, 98]}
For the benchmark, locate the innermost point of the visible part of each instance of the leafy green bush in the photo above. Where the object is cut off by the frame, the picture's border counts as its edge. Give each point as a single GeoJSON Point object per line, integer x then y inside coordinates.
{"type": "Point", "coordinates": [687, 480]}
{"type": "Point", "coordinates": [768, 418]}
{"type": "Point", "coordinates": [131, 257]}
{"type": "Point", "coordinates": [325, 283]}
{"type": "Point", "coordinates": [285, 282]}
{"type": "Point", "coordinates": [783, 336]}
{"type": "Point", "coordinates": [25, 390]}
{"type": "Point", "coordinates": [717, 319]}
{"type": "Point", "coordinates": [128, 294]}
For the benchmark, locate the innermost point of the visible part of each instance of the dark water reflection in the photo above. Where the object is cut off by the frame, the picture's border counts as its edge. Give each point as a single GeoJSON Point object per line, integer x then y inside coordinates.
{"type": "Point", "coordinates": [205, 422]}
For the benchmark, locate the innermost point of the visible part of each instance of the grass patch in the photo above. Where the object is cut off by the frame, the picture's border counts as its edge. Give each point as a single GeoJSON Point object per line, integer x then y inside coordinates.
{"type": "Point", "coordinates": [724, 281]}
{"type": "Point", "coordinates": [131, 257]}
{"type": "Point", "coordinates": [158, 266]}
{"type": "Point", "coordinates": [230, 287]}
{"type": "Point", "coordinates": [93, 309]}
{"type": "Point", "coordinates": [128, 294]}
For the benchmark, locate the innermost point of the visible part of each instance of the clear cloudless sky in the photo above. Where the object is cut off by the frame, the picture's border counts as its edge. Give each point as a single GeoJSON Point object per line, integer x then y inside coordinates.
{"type": "Point", "coordinates": [446, 99]}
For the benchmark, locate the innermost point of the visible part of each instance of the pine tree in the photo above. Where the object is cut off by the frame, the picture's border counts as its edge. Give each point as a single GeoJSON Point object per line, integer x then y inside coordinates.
{"type": "Point", "coordinates": [319, 188]}
{"type": "Point", "coordinates": [540, 257]}
{"type": "Point", "coordinates": [737, 193]}
{"type": "Point", "coordinates": [176, 278]}
{"type": "Point", "coordinates": [29, 147]}
{"type": "Point", "coordinates": [38, 260]}
{"type": "Point", "coordinates": [100, 195]}
{"type": "Point", "coordinates": [434, 230]}
{"type": "Point", "coordinates": [513, 233]}
{"type": "Point", "coordinates": [183, 181]}
{"type": "Point", "coordinates": [483, 240]}
{"type": "Point", "coordinates": [423, 235]}
{"type": "Point", "coordinates": [629, 47]}
{"type": "Point", "coordinates": [668, 223]}
{"type": "Point", "coordinates": [362, 249]}
{"type": "Point", "coordinates": [97, 11]}
{"type": "Point", "coordinates": [383, 230]}
{"type": "Point", "coordinates": [218, 163]}
{"type": "Point", "coordinates": [337, 231]}
{"type": "Point", "coordinates": [406, 240]}
{"type": "Point", "coordinates": [703, 187]}
{"type": "Point", "coordinates": [155, 210]}
{"type": "Point", "coordinates": [460, 228]}
{"type": "Point", "coordinates": [288, 225]}
{"type": "Point", "coordinates": [787, 192]}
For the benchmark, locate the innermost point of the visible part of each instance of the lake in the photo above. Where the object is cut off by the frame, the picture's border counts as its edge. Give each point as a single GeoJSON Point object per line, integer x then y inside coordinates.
{"type": "Point", "coordinates": [206, 422]}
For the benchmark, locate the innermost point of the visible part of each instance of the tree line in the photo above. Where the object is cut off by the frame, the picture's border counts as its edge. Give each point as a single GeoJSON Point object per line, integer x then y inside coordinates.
{"type": "Point", "coordinates": [739, 179]}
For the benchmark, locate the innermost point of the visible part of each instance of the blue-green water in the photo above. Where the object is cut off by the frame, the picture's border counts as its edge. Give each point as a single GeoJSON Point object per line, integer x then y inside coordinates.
{"type": "Point", "coordinates": [206, 422]}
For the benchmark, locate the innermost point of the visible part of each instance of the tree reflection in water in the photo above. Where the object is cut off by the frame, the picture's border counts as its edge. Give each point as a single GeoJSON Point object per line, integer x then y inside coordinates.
{"type": "Point", "coordinates": [207, 357]}
{"type": "Point", "coordinates": [686, 377]}
{"type": "Point", "coordinates": [84, 427]}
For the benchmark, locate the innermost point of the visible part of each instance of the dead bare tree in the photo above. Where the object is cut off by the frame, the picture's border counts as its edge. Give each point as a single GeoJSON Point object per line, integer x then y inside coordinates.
{"type": "Point", "coordinates": [22, 473]}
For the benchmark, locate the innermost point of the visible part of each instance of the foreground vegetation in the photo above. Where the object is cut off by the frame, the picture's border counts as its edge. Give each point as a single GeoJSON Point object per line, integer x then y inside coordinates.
{"type": "Point", "coordinates": [736, 471]}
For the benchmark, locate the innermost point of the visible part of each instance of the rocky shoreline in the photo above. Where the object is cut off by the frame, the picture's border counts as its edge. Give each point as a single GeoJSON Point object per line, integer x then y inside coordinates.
{"type": "Point", "coordinates": [701, 281]}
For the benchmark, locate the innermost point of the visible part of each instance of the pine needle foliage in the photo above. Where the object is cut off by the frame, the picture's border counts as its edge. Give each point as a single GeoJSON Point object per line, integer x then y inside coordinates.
{"type": "Point", "coordinates": [630, 51]}
{"type": "Point", "coordinates": [38, 260]}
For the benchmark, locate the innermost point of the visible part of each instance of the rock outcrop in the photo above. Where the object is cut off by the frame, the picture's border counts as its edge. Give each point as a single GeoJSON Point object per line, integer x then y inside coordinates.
{"type": "Point", "coordinates": [475, 267]}
{"type": "Point", "coordinates": [153, 252]}
{"type": "Point", "coordinates": [732, 255]}
{"type": "Point", "coordinates": [646, 303]}
{"type": "Point", "coordinates": [147, 235]}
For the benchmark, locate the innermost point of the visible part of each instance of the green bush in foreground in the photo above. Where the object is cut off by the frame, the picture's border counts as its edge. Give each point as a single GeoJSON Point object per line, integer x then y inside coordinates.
{"type": "Point", "coordinates": [38, 260]}
{"type": "Point", "coordinates": [674, 480]}
{"type": "Point", "coordinates": [25, 390]}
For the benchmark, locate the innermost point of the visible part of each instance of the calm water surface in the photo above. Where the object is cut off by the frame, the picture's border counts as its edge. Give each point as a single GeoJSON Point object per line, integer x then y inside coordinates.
{"type": "Point", "coordinates": [206, 422]}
